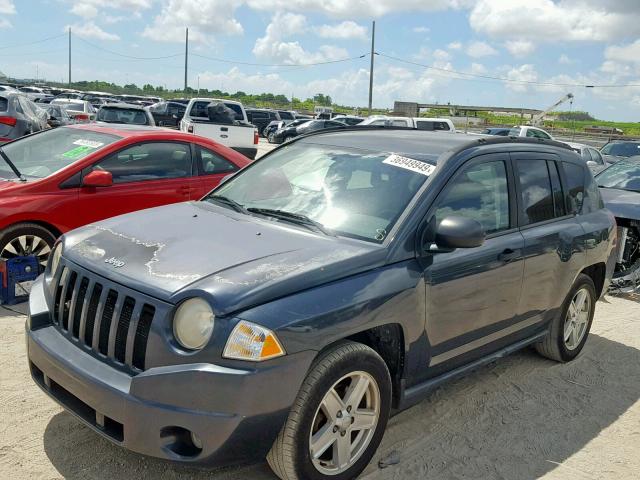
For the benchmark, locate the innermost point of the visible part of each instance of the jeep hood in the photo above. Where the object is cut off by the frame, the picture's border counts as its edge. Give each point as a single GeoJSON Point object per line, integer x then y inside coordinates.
{"type": "Point", "coordinates": [197, 248]}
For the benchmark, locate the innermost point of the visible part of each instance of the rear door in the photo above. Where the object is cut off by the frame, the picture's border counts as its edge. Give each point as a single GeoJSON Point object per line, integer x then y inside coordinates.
{"type": "Point", "coordinates": [553, 238]}
{"type": "Point", "coordinates": [145, 175]}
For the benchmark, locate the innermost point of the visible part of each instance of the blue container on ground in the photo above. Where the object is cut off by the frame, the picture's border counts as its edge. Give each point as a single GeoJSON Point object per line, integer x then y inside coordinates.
{"type": "Point", "coordinates": [17, 276]}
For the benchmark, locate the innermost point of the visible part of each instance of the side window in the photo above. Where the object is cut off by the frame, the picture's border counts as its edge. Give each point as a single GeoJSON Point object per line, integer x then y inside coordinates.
{"type": "Point", "coordinates": [574, 175]}
{"type": "Point", "coordinates": [541, 134]}
{"type": "Point", "coordinates": [211, 163]}
{"type": "Point", "coordinates": [399, 123]}
{"type": "Point", "coordinates": [586, 155]}
{"type": "Point", "coordinates": [148, 161]}
{"type": "Point", "coordinates": [422, 125]}
{"type": "Point", "coordinates": [17, 106]}
{"type": "Point", "coordinates": [531, 133]}
{"type": "Point", "coordinates": [556, 186]}
{"type": "Point", "coordinates": [536, 198]}
{"type": "Point", "coordinates": [378, 122]}
{"type": "Point", "coordinates": [479, 192]}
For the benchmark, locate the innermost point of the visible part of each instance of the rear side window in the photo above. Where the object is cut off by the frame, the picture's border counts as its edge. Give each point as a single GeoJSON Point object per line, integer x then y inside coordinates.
{"type": "Point", "coordinates": [536, 196]}
{"type": "Point", "coordinates": [212, 163]}
{"type": "Point", "coordinates": [286, 115]}
{"type": "Point", "coordinates": [4, 104]}
{"type": "Point", "coordinates": [575, 177]}
{"type": "Point", "coordinates": [430, 125]}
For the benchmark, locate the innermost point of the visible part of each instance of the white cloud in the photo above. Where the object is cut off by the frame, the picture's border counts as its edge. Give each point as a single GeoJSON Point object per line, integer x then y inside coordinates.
{"type": "Point", "coordinates": [345, 30]}
{"type": "Point", "coordinates": [565, 60]}
{"type": "Point", "coordinates": [4, 23]}
{"type": "Point", "coordinates": [205, 18]}
{"type": "Point", "coordinates": [523, 73]}
{"type": "Point", "coordinates": [546, 20]}
{"type": "Point", "coordinates": [274, 48]}
{"type": "Point", "coordinates": [236, 80]}
{"type": "Point", "coordinates": [7, 7]}
{"type": "Point", "coordinates": [357, 8]}
{"type": "Point", "coordinates": [84, 10]}
{"type": "Point", "coordinates": [520, 48]}
{"type": "Point", "coordinates": [455, 46]}
{"type": "Point", "coordinates": [421, 29]}
{"type": "Point", "coordinates": [478, 69]}
{"type": "Point", "coordinates": [441, 55]}
{"type": "Point", "coordinates": [624, 53]}
{"type": "Point", "coordinates": [480, 49]}
{"type": "Point", "coordinates": [91, 30]}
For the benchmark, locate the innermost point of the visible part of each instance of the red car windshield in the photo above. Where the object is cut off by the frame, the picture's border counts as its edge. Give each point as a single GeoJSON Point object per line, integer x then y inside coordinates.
{"type": "Point", "coordinates": [41, 155]}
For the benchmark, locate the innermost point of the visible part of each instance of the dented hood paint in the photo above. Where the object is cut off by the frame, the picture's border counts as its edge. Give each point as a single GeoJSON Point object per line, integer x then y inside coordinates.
{"type": "Point", "coordinates": [622, 203]}
{"type": "Point", "coordinates": [197, 248]}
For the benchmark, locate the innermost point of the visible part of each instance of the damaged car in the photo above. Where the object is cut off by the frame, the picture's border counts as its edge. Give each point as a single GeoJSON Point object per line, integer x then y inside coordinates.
{"type": "Point", "coordinates": [339, 278]}
{"type": "Point", "coordinates": [620, 188]}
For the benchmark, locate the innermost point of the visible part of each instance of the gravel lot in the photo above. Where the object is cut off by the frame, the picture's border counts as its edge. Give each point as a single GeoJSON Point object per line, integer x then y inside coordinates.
{"type": "Point", "coordinates": [522, 417]}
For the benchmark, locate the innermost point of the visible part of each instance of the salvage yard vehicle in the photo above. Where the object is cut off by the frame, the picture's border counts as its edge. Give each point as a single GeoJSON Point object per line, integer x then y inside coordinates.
{"type": "Point", "coordinates": [529, 132]}
{"type": "Point", "coordinates": [294, 129]}
{"type": "Point", "coordinates": [620, 188]}
{"type": "Point", "coordinates": [419, 123]}
{"type": "Point", "coordinates": [19, 116]}
{"type": "Point", "coordinates": [616, 150]}
{"type": "Point", "coordinates": [590, 155]}
{"type": "Point", "coordinates": [80, 110]}
{"type": "Point", "coordinates": [167, 114]}
{"type": "Point", "coordinates": [236, 133]}
{"type": "Point", "coordinates": [343, 274]}
{"type": "Point", "coordinates": [57, 180]}
{"type": "Point", "coordinates": [125, 113]}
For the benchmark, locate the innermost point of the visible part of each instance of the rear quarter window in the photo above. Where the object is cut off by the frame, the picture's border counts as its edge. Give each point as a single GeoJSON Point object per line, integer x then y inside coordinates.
{"type": "Point", "coordinates": [4, 104]}
{"type": "Point", "coordinates": [575, 192]}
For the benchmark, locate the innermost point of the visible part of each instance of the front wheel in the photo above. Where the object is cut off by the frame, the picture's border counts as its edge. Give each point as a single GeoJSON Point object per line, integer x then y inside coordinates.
{"type": "Point", "coordinates": [338, 419]}
{"type": "Point", "coordinates": [26, 239]}
{"type": "Point", "coordinates": [569, 331]}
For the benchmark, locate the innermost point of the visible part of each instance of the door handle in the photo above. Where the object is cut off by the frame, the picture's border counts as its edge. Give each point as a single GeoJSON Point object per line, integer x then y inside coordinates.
{"type": "Point", "coordinates": [224, 129]}
{"type": "Point", "coordinates": [508, 255]}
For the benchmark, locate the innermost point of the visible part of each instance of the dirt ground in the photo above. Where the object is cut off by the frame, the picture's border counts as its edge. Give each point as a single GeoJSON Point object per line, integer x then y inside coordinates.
{"type": "Point", "coordinates": [522, 417]}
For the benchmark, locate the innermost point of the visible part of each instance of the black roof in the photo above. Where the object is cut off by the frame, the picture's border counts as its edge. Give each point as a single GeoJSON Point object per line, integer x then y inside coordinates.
{"type": "Point", "coordinates": [419, 144]}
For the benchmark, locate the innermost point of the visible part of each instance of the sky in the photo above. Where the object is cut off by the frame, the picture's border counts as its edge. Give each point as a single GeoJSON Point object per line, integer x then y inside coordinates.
{"type": "Point", "coordinates": [535, 51]}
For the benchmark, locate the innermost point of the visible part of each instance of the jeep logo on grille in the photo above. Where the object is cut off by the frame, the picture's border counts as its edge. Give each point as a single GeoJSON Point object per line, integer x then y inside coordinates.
{"type": "Point", "coordinates": [115, 262]}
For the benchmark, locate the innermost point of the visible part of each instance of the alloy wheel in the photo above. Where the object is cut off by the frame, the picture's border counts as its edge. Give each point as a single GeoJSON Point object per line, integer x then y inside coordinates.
{"type": "Point", "coordinates": [344, 423]}
{"type": "Point", "coordinates": [577, 320]}
{"type": "Point", "coordinates": [25, 245]}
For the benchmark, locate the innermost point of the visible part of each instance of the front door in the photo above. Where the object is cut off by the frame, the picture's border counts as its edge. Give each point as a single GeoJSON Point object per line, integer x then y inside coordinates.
{"type": "Point", "coordinates": [144, 175]}
{"type": "Point", "coordinates": [472, 294]}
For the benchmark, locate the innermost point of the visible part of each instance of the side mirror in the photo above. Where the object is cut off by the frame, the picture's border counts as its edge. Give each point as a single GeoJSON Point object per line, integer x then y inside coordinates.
{"type": "Point", "coordinates": [459, 232]}
{"type": "Point", "coordinates": [98, 178]}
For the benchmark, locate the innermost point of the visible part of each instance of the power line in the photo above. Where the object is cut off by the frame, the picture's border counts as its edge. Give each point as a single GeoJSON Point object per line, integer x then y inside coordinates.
{"type": "Point", "coordinates": [504, 79]}
{"type": "Point", "coordinates": [33, 43]}
{"type": "Point", "coordinates": [127, 56]}
{"type": "Point", "coordinates": [327, 62]}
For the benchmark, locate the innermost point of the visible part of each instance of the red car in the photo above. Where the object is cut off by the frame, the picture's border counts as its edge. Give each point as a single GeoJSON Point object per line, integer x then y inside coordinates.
{"type": "Point", "coordinates": [60, 179]}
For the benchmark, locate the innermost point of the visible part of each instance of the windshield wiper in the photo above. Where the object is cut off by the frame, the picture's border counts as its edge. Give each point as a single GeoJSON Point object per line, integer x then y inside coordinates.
{"type": "Point", "coordinates": [298, 218]}
{"type": "Point", "coordinates": [228, 202]}
{"type": "Point", "coordinates": [12, 166]}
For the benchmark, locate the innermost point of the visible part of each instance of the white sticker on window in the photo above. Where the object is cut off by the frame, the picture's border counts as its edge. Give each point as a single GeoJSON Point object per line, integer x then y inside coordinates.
{"type": "Point", "coordinates": [410, 164]}
{"type": "Point", "coordinates": [88, 143]}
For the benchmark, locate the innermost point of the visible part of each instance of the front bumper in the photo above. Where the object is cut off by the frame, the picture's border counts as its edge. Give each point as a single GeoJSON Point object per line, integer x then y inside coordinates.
{"type": "Point", "coordinates": [235, 413]}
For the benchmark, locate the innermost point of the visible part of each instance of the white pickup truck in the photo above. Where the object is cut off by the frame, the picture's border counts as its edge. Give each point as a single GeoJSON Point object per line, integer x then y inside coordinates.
{"type": "Point", "coordinates": [420, 123]}
{"type": "Point", "coordinates": [241, 135]}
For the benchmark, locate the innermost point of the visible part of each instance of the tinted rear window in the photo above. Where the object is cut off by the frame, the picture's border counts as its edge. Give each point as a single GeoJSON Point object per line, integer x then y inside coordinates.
{"type": "Point", "coordinates": [4, 104]}
{"type": "Point", "coordinates": [286, 115]}
{"type": "Point", "coordinates": [199, 109]}
{"type": "Point", "coordinates": [431, 125]}
{"type": "Point", "coordinates": [122, 115]}
{"type": "Point", "coordinates": [574, 175]}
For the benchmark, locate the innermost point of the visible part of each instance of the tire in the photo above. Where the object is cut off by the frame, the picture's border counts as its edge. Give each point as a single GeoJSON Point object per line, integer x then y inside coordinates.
{"type": "Point", "coordinates": [555, 345]}
{"type": "Point", "coordinates": [26, 239]}
{"type": "Point", "coordinates": [337, 370]}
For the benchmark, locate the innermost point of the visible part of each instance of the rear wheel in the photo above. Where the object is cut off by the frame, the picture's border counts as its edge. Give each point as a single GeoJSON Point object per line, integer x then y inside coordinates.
{"type": "Point", "coordinates": [338, 419]}
{"type": "Point", "coordinates": [25, 239]}
{"type": "Point", "coordinates": [569, 330]}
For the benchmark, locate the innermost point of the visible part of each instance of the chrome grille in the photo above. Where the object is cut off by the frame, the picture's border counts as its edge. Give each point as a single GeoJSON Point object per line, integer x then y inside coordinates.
{"type": "Point", "coordinates": [101, 316]}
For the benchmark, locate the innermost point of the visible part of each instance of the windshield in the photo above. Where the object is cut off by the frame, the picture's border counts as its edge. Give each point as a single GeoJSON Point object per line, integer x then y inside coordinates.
{"type": "Point", "coordinates": [354, 193]}
{"type": "Point", "coordinates": [122, 115]}
{"type": "Point", "coordinates": [40, 155]}
{"type": "Point", "coordinates": [621, 149]}
{"type": "Point", "coordinates": [624, 175]}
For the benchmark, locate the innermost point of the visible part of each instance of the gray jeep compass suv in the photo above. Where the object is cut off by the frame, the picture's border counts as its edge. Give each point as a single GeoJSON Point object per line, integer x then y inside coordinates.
{"type": "Point", "coordinates": [341, 276]}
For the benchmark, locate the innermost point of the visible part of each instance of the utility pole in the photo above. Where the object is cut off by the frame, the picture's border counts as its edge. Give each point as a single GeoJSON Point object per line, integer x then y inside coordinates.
{"type": "Point", "coordinates": [186, 59]}
{"type": "Point", "coordinates": [373, 42]}
{"type": "Point", "coordinates": [69, 56]}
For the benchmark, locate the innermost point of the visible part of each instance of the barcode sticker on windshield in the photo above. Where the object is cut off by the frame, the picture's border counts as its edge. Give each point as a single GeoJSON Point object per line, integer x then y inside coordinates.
{"type": "Point", "coordinates": [410, 164]}
{"type": "Point", "coordinates": [88, 143]}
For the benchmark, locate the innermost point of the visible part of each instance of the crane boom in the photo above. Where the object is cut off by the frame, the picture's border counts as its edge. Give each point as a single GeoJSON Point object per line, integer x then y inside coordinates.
{"type": "Point", "coordinates": [537, 119]}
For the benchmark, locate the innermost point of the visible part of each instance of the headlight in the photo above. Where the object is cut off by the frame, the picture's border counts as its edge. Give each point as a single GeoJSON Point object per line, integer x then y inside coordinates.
{"type": "Point", "coordinates": [252, 342]}
{"type": "Point", "coordinates": [193, 323]}
{"type": "Point", "coordinates": [55, 258]}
